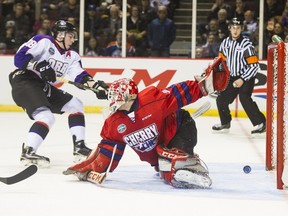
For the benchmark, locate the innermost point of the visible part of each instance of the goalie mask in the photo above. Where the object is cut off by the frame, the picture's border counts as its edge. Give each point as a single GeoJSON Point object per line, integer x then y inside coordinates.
{"type": "Point", "coordinates": [120, 92]}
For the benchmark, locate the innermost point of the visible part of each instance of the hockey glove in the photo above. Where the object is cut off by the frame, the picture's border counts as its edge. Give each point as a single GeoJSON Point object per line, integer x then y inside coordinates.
{"type": "Point", "coordinates": [102, 90]}
{"type": "Point", "coordinates": [215, 78]}
{"type": "Point", "coordinates": [47, 73]}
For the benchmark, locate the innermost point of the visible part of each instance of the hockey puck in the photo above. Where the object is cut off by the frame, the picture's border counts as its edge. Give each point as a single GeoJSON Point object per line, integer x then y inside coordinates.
{"type": "Point", "coordinates": [247, 169]}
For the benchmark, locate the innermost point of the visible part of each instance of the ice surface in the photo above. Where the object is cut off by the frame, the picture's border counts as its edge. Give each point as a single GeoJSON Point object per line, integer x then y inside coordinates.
{"type": "Point", "coordinates": [134, 189]}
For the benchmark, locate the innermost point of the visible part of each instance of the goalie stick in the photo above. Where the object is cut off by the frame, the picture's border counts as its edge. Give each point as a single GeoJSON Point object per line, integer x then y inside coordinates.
{"type": "Point", "coordinates": [26, 173]}
{"type": "Point", "coordinates": [201, 110]}
{"type": "Point", "coordinates": [99, 178]}
{"type": "Point", "coordinates": [76, 84]}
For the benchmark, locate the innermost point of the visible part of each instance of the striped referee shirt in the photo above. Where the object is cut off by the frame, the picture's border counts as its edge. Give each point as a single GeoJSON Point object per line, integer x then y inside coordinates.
{"type": "Point", "coordinates": [240, 57]}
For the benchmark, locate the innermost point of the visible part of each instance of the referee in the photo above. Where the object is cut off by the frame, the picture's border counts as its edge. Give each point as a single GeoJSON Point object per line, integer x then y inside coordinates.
{"type": "Point", "coordinates": [242, 62]}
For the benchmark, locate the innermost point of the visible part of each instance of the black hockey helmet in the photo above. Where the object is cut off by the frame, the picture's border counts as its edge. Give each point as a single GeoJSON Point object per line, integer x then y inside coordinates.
{"type": "Point", "coordinates": [63, 26]}
{"type": "Point", "coordinates": [236, 21]}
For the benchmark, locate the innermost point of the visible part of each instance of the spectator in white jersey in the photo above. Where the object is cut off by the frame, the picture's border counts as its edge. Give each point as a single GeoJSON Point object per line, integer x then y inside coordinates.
{"type": "Point", "coordinates": [239, 54]}
{"type": "Point", "coordinates": [39, 61]}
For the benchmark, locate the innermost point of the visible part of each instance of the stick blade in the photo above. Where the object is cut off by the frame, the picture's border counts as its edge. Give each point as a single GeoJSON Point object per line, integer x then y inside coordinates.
{"type": "Point", "coordinates": [26, 173]}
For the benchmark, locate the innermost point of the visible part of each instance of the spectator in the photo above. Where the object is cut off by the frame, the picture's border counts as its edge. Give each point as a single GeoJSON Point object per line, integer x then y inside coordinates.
{"type": "Point", "coordinates": [8, 37]}
{"type": "Point", "coordinates": [198, 52]}
{"type": "Point", "coordinates": [223, 23]}
{"type": "Point", "coordinates": [45, 27]}
{"type": "Point", "coordinates": [147, 13]}
{"type": "Point", "coordinates": [161, 34]}
{"type": "Point", "coordinates": [211, 48]}
{"type": "Point", "coordinates": [268, 33]}
{"type": "Point", "coordinates": [284, 18]}
{"type": "Point", "coordinates": [137, 32]}
{"type": "Point", "coordinates": [211, 28]}
{"type": "Point", "coordinates": [114, 48]}
{"type": "Point", "coordinates": [240, 8]}
{"type": "Point", "coordinates": [119, 4]}
{"type": "Point", "coordinates": [168, 3]}
{"type": "Point", "coordinates": [52, 7]}
{"type": "Point", "coordinates": [3, 48]}
{"type": "Point", "coordinates": [29, 9]}
{"type": "Point", "coordinates": [272, 8]}
{"type": "Point", "coordinates": [7, 7]}
{"type": "Point", "coordinates": [220, 4]}
{"type": "Point", "coordinates": [38, 22]}
{"type": "Point", "coordinates": [70, 9]}
{"type": "Point", "coordinates": [23, 27]}
{"type": "Point", "coordinates": [90, 21]}
{"type": "Point", "coordinates": [279, 30]}
{"type": "Point", "coordinates": [111, 25]}
{"type": "Point", "coordinates": [250, 25]}
{"type": "Point", "coordinates": [92, 49]}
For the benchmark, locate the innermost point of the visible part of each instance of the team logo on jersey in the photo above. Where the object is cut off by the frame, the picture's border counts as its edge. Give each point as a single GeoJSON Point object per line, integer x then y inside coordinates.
{"type": "Point", "coordinates": [51, 51]}
{"type": "Point", "coordinates": [143, 140]}
{"type": "Point", "coordinates": [121, 128]}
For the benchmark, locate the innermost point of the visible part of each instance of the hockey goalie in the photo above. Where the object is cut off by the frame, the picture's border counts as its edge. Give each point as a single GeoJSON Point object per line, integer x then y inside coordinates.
{"type": "Point", "coordinates": [153, 123]}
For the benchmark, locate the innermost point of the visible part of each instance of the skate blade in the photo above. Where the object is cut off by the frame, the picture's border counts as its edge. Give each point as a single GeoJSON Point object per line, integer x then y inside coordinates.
{"type": "Point", "coordinates": [223, 131]}
{"type": "Point", "coordinates": [39, 163]}
{"type": "Point", "coordinates": [189, 179]}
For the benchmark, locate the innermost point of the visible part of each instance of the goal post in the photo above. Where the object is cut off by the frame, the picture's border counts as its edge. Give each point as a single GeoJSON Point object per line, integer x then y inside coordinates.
{"type": "Point", "coordinates": [276, 109]}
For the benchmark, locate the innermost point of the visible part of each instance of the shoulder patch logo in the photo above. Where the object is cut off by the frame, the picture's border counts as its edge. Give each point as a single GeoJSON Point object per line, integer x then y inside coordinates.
{"type": "Point", "coordinates": [121, 128]}
{"type": "Point", "coordinates": [51, 51]}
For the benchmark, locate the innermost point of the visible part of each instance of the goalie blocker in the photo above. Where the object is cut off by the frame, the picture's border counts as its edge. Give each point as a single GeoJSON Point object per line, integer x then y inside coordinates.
{"type": "Point", "coordinates": [215, 78]}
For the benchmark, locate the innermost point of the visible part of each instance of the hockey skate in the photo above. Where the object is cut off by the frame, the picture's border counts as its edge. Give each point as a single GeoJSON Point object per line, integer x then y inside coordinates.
{"type": "Point", "coordinates": [80, 150]}
{"type": "Point", "coordinates": [261, 128]}
{"type": "Point", "coordinates": [29, 156]}
{"type": "Point", "coordinates": [221, 128]}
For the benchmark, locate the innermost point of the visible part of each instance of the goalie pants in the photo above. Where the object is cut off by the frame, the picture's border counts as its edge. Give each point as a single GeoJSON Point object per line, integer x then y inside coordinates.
{"type": "Point", "coordinates": [186, 136]}
{"type": "Point", "coordinates": [245, 92]}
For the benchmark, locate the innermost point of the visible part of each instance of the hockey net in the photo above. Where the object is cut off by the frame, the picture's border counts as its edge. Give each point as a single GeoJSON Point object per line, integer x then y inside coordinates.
{"type": "Point", "coordinates": [276, 110]}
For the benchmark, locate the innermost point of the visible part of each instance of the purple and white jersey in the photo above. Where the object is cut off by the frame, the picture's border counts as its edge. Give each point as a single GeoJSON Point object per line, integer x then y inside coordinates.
{"type": "Point", "coordinates": [44, 47]}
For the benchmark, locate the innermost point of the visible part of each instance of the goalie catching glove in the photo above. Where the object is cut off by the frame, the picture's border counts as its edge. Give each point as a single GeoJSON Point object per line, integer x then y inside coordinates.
{"type": "Point", "coordinates": [215, 78]}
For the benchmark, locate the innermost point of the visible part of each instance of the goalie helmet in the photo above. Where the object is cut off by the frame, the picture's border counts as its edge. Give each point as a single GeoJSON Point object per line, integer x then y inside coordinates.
{"type": "Point", "coordinates": [120, 92]}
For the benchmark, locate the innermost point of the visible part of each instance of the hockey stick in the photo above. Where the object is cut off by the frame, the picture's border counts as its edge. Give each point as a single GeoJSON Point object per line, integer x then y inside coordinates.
{"type": "Point", "coordinates": [201, 110]}
{"type": "Point", "coordinates": [99, 178]}
{"type": "Point", "coordinates": [76, 84]}
{"type": "Point", "coordinates": [26, 173]}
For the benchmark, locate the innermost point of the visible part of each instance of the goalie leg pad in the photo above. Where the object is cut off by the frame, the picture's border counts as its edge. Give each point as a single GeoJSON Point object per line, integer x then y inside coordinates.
{"type": "Point", "coordinates": [182, 170]}
{"type": "Point", "coordinates": [185, 178]}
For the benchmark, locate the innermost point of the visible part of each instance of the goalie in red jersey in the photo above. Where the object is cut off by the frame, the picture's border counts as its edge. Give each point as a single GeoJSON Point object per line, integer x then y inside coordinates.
{"type": "Point", "coordinates": [153, 124]}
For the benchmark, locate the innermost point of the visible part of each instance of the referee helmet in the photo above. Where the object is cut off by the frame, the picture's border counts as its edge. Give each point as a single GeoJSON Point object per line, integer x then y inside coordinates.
{"type": "Point", "coordinates": [236, 21]}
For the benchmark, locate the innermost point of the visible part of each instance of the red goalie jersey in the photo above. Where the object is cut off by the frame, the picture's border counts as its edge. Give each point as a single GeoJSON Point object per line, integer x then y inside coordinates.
{"type": "Point", "coordinates": [151, 121]}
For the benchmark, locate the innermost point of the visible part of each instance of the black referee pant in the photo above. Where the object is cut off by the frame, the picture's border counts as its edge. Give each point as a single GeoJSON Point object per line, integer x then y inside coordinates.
{"type": "Point", "coordinates": [245, 92]}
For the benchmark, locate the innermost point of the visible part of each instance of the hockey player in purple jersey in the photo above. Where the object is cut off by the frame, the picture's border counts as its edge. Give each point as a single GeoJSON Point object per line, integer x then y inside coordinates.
{"type": "Point", "coordinates": [39, 61]}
